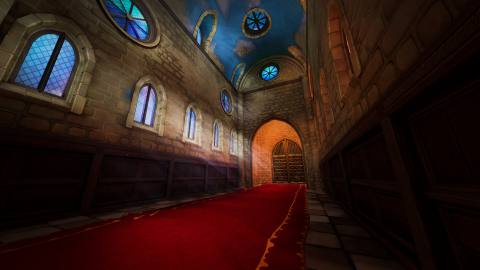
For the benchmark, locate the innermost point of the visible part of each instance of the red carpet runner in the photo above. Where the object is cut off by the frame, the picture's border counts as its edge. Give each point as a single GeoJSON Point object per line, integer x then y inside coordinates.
{"type": "Point", "coordinates": [262, 228]}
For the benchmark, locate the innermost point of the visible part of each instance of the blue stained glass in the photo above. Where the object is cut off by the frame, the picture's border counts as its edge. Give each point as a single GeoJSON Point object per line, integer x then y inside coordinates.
{"type": "Point", "coordinates": [216, 135]}
{"type": "Point", "coordinates": [146, 106]}
{"type": "Point", "coordinates": [129, 17]}
{"type": "Point", "coordinates": [269, 72]}
{"type": "Point", "coordinates": [256, 20]}
{"type": "Point", "coordinates": [35, 63]}
{"type": "Point", "coordinates": [118, 4]}
{"type": "Point", "coordinates": [192, 118]}
{"type": "Point", "coordinates": [121, 22]}
{"type": "Point", "coordinates": [150, 113]}
{"type": "Point", "coordinates": [141, 102]}
{"type": "Point", "coordinates": [114, 9]}
{"type": "Point", "coordinates": [226, 101]}
{"type": "Point", "coordinates": [136, 13]}
{"type": "Point", "coordinates": [62, 70]}
{"type": "Point", "coordinates": [199, 37]}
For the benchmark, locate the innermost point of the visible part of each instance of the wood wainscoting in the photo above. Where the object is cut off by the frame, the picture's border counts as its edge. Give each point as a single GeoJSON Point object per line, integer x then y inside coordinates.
{"type": "Point", "coordinates": [43, 177]}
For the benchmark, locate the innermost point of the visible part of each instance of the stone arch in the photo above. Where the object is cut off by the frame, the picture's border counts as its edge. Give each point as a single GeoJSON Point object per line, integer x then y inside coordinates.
{"type": "Point", "coordinates": [210, 21]}
{"type": "Point", "coordinates": [17, 41]}
{"type": "Point", "coordinates": [262, 143]}
{"type": "Point", "coordinates": [237, 74]}
{"type": "Point", "coordinates": [160, 109]}
{"type": "Point", "coordinates": [344, 54]}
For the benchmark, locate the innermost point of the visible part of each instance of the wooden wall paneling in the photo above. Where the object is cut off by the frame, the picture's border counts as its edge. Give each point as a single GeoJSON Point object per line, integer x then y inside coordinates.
{"type": "Point", "coordinates": [91, 185]}
{"type": "Point", "coordinates": [409, 194]}
{"type": "Point", "coordinates": [171, 167]}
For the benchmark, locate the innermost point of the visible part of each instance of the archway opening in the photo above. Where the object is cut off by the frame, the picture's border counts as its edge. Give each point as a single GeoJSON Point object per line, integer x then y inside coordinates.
{"type": "Point", "coordinates": [266, 138]}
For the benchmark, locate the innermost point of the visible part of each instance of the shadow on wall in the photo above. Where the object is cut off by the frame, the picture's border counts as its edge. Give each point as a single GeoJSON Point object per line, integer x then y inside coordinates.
{"type": "Point", "coordinates": [265, 139]}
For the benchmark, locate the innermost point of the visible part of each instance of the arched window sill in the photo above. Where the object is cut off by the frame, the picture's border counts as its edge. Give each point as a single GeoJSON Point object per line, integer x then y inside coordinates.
{"type": "Point", "coordinates": [76, 106]}
{"type": "Point", "coordinates": [145, 128]}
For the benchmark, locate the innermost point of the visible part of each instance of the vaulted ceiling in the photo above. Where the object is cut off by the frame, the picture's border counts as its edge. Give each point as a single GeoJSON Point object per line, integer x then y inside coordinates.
{"type": "Point", "coordinates": [231, 46]}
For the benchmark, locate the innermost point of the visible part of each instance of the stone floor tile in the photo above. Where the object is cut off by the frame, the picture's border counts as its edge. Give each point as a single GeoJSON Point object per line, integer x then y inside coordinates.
{"type": "Point", "coordinates": [364, 246]}
{"type": "Point", "coordinates": [317, 212]}
{"type": "Point", "coordinates": [343, 221]}
{"type": "Point", "coordinates": [370, 263]}
{"type": "Point", "coordinates": [321, 227]}
{"type": "Point", "coordinates": [9, 237]}
{"type": "Point", "coordinates": [320, 258]}
{"type": "Point", "coordinates": [322, 239]}
{"type": "Point", "coordinates": [315, 207]}
{"type": "Point", "coordinates": [323, 219]}
{"type": "Point", "coordinates": [352, 230]}
{"type": "Point", "coordinates": [336, 212]}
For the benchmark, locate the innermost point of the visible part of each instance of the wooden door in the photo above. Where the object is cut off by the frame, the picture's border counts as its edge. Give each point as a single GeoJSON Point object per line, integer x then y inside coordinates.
{"type": "Point", "coordinates": [288, 162]}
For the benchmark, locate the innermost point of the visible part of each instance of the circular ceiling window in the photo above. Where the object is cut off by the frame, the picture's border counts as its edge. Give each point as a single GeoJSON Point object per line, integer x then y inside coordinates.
{"type": "Point", "coordinates": [269, 72]}
{"type": "Point", "coordinates": [256, 23]}
{"type": "Point", "coordinates": [130, 18]}
{"type": "Point", "coordinates": [226, 101]}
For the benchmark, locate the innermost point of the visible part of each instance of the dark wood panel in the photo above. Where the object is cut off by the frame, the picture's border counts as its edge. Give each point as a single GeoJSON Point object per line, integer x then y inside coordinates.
{"type": "Point", "coordinates": [448, 144]}
{"type": "Point", "coordinates": [44, 177]}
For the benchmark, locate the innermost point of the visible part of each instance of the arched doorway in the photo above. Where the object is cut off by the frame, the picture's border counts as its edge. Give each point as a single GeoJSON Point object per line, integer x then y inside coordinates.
{"type": "Point", "coordinates": [287, 162]}
{"type": "Point", "coordinates": [264, 141]}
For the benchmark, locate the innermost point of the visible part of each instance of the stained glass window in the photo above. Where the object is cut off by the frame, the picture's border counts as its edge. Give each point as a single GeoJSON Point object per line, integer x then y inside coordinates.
{"type": "Point", "coordinates": [146, 105]}
{"type": "Point", "coordinates": [128, 16]}
{"type": "Point", "coordinates": [48, 64]}
{"type": "Point", "coordinates": [199, 36]}
{"type": "Point", "coordinates": [256, 22]}
{"type": "Point", "coordinates": [216, 135]}
{"type": "Point", "coordinates": [191, 122]}
{"type": "Point", "coordinates": [269, 72]}
{"type": "Point", "coordinates": [226, 101]}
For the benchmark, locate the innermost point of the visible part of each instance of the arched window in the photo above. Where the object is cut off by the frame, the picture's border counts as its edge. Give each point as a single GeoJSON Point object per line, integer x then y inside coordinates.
{"type": "Point", "coordinates": [217, 135]}
{"type": "Point", "coordinates": [205, 28]}
{"type": "Point", "coordinates": [269, 72]}
{"type": "Point", "coordinates": [233, 142]}
{"type": "Point", "coordinates": [147, 110]}
{"type": "Point", "coordinates": [193, 125]}
{"type": "Point", "coordinates": [146, 104]}
{"type": "Point", "coordinates": [48, 65]}
{"type": "Point", "coordinates": [52, 61]}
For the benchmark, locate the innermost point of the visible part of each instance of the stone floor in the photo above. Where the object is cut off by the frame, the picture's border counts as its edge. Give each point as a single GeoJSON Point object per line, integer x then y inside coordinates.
{"type": "Point", "coordinates": [335, 241]}
{"type": "Point", "coordinates": [10, 236]}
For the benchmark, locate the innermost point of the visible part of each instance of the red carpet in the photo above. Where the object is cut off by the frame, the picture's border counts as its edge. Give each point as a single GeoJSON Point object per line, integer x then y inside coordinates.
{"type": "Point", "coordinates": [262, 228]}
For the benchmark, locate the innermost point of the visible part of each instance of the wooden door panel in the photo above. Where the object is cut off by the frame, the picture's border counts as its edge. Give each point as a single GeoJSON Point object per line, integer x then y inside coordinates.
{"type": "Point", "coordinates": [288, 162]}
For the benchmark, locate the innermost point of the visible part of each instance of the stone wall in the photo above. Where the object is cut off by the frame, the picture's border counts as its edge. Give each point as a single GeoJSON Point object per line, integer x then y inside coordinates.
{"type": "Point", "coordinates": [382, 42]}
{"type": "Point", "coordinates": [287, 103]}
{"type": "Point", "coordinates": [263, 143]}
{"type": "Point", "coordinates": [177, 62]}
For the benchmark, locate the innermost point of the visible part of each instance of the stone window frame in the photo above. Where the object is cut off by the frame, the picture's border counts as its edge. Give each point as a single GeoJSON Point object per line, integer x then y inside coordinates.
{"type": "Point", "coordinates": [158, 126]}
{"type": "Point", "coordinates": [264, 31]}
{"type": "Point", "coordinates": [220, 135]}
{"type": "Point", "coordinates": [18, 41]}
{"type": "Point", "coordinates": [198, 125]}
{"type": "Point", "coordinates": [207, 41]}
{"type": "Point", "coordinates": [233, 142]}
